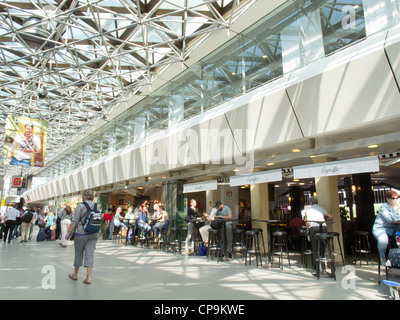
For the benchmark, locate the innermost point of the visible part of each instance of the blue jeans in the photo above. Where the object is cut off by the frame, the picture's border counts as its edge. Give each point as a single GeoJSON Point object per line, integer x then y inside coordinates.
{"type": "Point", "coordinates": [111, 227]}
{"type": "Point", "coordinates": [146, 228]}
{"type": "Point", "coordinates": [382, 236]}
{"type": "Point", "coordinates": [23, 162]}
{"type": "Point", "coordinates": [120, 224]}
{"type": "Point", "coordinates": [158, 226]}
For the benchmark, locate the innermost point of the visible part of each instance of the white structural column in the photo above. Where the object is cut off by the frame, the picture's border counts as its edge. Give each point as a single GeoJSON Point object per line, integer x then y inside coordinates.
{"type": "Point", "coordinates": [260, 208]}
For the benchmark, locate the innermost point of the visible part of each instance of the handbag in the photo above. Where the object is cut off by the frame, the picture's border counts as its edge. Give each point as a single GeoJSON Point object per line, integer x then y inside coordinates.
{"type": "Point", "coordinates": [217, 223]}
{"type": "Point", "coordinates": [202, 250]}
{"type": "Point", "coordinates": [394, 257]}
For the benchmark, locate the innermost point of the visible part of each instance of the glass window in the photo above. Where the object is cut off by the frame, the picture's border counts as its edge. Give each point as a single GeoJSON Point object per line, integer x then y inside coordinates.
{"type": "Point", "coordinates": [302, 41]}
{"type": "Point", "coordinates": [343, 23]}
{"type": "Point", "coordinates": [380, 15]}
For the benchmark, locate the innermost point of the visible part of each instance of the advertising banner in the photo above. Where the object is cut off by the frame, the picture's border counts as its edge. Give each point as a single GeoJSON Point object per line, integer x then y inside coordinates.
{"type": "Point", "coordinates": [25, 143]}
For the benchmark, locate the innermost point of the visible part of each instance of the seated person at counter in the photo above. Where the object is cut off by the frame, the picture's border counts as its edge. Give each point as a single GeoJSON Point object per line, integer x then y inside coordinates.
{"type": "Point", "coordinates": [129, 217]}
{"type": "Point", "coordinates": [382, 229]}
{"type": "Point", "coordinates": [143, 221]}
{"type": "Point", "coordinates": [208, 217]}
{"type": "Point", "coordinates": [156, 213]}
{"type": "Point", "coordinates": [162, 221]}
{"type": "Point", "coordinates": [118, 219]}
{"type": "Point", "coordinates": [226, 213]}
{"type": "Point", "coordinates": [313, 214]}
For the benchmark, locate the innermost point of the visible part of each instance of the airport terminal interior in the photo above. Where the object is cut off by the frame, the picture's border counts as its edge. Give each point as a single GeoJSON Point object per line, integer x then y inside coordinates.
{"type": "Point", "coordinates": [257, 107]}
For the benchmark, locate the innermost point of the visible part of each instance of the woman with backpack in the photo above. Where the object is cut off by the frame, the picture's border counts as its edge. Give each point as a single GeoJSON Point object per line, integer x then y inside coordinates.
{"type": "Point", "coordinates": [84, 242]}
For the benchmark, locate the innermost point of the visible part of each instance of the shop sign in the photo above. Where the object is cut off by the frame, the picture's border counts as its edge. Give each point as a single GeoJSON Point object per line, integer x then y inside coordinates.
{"type": "Point", "coordinates": [200, 186]}
{"type": "Point", "coordinates": [254, 178]}
{"type": "Point", "coordinates": [335, 168]}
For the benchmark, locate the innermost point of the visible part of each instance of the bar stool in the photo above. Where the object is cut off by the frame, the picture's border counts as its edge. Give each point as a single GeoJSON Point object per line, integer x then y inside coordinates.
{"type": "Point", "coordinates": [262, 239]}
{"type": "Point", "coordinates": [163, 241]}
{"type": "Point", "coordinates": [362, 246]}
{"type": "Point", "coordinates": [253, 246]}
{"type": "Point", "coordinates": [183, 233]}
{"type": "Point", "coordinates": [305, 247]}
{"type": "Point", "coordinates": [143, 239]}
{"type": "Point", "coordinates": [337, 236]}
{"type": "Point", "coordinates": [325, 248]}
{"type": "Point", "coordinates": [239, 241]}
{"type": "Point", "coordinates": [214, 244]}
{"type": "Point", "coordinates": [279, 240]}
{"type": "Point", "coordinates": [174, 240]}
{"type": "Point", "coordinates": [116, 236]}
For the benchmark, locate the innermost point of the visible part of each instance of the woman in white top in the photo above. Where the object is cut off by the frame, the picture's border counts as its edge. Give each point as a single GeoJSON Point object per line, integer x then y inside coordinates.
{"type": "Point", "coordinates": [118, 218]}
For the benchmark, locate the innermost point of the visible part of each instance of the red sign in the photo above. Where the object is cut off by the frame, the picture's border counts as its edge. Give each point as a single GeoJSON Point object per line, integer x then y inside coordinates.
{"type": "Point", "coordinates": [16, 182]}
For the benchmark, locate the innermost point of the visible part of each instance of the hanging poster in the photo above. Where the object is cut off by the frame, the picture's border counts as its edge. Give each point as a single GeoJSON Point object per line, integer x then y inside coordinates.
{"type": "Point", "coordinates": [25, 142]}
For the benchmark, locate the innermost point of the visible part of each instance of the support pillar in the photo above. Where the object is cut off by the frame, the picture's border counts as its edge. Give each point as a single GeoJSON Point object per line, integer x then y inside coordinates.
{"type": "Point", "coordinates": [260, 208]}
{"type": "Point", "coordinates": [328, 198]}
{"type": "Point", "coordinates": [364, 200]}
{"type": "Point", "coordinates": [175, 201]}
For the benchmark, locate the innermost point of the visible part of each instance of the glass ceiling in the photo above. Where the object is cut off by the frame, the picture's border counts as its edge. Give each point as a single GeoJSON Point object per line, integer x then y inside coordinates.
{"type": "Point", "coordinates": [72, 62]}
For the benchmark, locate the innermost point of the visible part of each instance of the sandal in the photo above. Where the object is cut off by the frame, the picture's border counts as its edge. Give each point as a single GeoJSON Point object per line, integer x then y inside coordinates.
{"type": "Point", "coordinates": [87, 282]}
{"type": "Point", "coordinates": [71, 276]}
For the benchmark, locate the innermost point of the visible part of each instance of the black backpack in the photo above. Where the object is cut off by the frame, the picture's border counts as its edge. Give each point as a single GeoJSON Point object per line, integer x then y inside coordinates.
{"type": "Point", "coordinates": [27, 217]}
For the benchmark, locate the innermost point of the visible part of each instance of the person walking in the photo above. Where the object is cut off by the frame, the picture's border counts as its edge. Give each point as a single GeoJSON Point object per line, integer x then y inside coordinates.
{"type": "Point", "coordinates": [10, 222]}
{"type": "Point", "coordinates": [65, 216]}
{"type": "Point", "coordinates": [84, 243]}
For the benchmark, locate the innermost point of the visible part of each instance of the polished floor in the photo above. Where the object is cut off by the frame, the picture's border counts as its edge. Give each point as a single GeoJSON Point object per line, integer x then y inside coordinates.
{"type": "Point", "coordinates": [35, 270]}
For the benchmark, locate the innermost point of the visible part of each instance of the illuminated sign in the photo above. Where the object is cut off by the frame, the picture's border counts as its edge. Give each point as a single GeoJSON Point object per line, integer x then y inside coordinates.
{"type": "Point", "coordinates": [16, 182]}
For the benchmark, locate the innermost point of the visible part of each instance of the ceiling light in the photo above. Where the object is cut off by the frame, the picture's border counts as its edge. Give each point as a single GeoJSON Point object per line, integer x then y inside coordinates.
{"type": "Point", "coordinates": [372, 146]}
{"type": "Point", "coordinates": [270, 164]}
{"type": "Point", "coordinates": [296, 150]}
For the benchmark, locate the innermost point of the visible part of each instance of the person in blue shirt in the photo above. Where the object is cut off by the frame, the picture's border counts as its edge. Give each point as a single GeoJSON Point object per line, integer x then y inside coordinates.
{"type": "Point", "coordinates": [382, 229]}
{"type": "Point", "coordinates": [143, 220]}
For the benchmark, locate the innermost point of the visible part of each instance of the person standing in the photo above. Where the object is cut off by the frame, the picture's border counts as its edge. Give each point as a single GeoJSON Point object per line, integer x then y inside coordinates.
{"type": "Point", "coordinates": [11, 221]}
{"type": "Point", "coordinates": [26, 219]}
{"type": "Point", "coordinates": [226, 213]}
{"type": "Point", "coordinates": [193, 213]}
{"type": "Point", "coordinates": [65, 216]}
{"type": "Point", "coordinates": [84, 243]}
{"type": "Point", "coordinates": [382, 229]}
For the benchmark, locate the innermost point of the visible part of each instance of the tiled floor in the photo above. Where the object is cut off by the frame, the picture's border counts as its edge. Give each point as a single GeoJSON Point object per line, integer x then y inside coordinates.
{"type": "Point", "coordinates": [39, 271]}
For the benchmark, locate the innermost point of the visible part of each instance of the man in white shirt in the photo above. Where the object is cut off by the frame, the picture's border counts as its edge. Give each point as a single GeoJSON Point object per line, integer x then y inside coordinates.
{"type": "Point", "coordinates": [11, 221]}
{"type": "Point", "coordinates": [312, 216]}
{"type": "Point", "coordinates": [22, 148]}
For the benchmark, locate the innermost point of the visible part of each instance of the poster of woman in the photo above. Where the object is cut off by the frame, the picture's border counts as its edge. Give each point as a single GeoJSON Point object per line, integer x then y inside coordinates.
{"type": "Point", "coordinates": [25, 143]}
